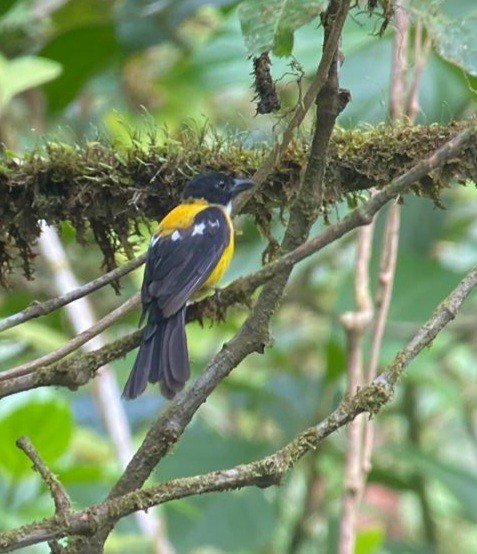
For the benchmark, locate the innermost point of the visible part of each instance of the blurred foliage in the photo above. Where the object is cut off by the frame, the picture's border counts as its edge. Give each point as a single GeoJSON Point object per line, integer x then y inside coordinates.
{"type": "Point", "coordinates": [81, 68]}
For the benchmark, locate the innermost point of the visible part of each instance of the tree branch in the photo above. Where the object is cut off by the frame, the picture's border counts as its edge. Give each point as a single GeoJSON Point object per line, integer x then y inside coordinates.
{"type": "Point", "coordinates": [74, 343]}
{"type": "Point", "coordinates": [58, 492]}
{"type": "Point", "coordinates": [147, 185]}
{"type": "Point", "coordinates": [38, 309]}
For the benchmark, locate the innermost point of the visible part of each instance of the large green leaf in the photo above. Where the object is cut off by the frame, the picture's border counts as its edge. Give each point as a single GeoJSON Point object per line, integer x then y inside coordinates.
{"type": "Point", "coordinates": [270, 24]}
{"type": "Point", "coordinates": [455, 40]}
{"type": "Point", "coordinates": [452, 28]}
{"type": "Point", "coordinates": [20, 74]}
{"type": "Point", "coordinates": [48, 424]}
{"type": "Point", "coordinates": [83, 52]}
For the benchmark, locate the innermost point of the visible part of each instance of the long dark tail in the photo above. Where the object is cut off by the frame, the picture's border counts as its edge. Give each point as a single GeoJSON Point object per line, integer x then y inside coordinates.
{"type": "Point", "coordinates": [162, 357]}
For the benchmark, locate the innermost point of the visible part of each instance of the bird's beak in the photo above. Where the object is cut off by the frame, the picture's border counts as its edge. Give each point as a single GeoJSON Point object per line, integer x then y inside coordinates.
{"type": "Point", "coordinates": [240, 185]}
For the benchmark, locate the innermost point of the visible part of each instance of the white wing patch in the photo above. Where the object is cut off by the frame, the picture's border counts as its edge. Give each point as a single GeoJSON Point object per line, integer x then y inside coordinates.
{"type": "Point", "coordinates": [176, 236]}
{"type": "Point", "coordinates": [199, 229]}
{"type": "Point", "coordinates": [154, 239]}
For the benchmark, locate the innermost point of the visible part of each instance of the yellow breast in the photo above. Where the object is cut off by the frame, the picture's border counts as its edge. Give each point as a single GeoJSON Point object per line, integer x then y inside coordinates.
{"type": "Point", "coordinates": [223, 264]}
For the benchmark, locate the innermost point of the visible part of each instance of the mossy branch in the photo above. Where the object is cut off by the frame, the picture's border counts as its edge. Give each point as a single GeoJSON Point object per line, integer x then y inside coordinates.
{"type": "Point", "coordinates": [105, 194]}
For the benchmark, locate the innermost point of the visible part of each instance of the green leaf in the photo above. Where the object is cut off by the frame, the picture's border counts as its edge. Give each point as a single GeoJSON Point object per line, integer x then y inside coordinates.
{"type": "Point", "coordinates": [454, 39]}
{"type": "Point", "coordinates": [22, 73]}
{"type": "Point", "coordinates": [83, 53]}
{"type": "Point", "coordinates": [270, 24]}
{"type": "Point", "coordinates": [48, 424]}
{"type": "Point", "coordinates": [370, 540]}
{"type": "Point", "coordinates": [6, 6]}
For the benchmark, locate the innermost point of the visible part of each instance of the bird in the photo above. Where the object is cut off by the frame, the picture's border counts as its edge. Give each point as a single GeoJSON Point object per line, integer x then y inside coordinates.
{"type": "Point", "coordinates": [189, 252]}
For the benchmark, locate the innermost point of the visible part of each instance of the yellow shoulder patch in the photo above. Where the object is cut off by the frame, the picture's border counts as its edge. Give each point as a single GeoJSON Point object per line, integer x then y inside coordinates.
{"type": "Point", "coordinates": [181, 217]}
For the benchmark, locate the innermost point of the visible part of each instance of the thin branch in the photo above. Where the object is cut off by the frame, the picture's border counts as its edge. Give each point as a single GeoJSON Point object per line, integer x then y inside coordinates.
{"type": "Point", "coordinates": [58, 492]}
{"type": "Point", "coordinates": [386, 280]}
{"type": "Point", "coordinates": [38, 309]}
{"type": "Point", "coordinates": [73, 344]}
{"type": "Point", "coordinates": [398, 66]}
{"type": "Point", "coordinates": [355, 324]}
{"type": "Point", "coordinates": [264, 473]}
{"type": "Point", "coordinates": [422, 48]}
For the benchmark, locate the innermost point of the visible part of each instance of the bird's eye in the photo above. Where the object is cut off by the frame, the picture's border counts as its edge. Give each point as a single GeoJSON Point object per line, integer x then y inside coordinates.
{"type": "Point", "coordinates": [221, 184]}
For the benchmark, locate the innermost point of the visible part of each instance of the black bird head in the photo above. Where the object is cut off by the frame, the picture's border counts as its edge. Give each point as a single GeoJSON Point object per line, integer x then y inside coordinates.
{"type": "Point", "coordinates": [215, 187]}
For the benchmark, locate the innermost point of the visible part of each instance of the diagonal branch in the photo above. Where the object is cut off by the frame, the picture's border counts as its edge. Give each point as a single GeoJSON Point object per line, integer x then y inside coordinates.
{"type": "Point", "coordinates": [58, 493]}
{"type": "Point", "coordinates": [38, 309]}
{"type": "Point", "coordinates": [74, 343]}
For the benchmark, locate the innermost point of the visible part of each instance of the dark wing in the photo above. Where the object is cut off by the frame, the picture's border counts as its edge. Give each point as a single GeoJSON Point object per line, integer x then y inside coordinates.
{"type": "Point", "coordinates": [178, 264]}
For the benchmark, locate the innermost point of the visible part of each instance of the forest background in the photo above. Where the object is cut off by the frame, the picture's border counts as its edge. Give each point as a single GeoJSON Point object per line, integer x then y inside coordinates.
{"type": "Point", "coordinates": [97, 94]}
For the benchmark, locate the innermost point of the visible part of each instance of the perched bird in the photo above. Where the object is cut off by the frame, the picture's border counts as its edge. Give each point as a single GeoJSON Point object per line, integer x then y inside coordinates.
{"type": "Point", "coordinates": [189, 252]}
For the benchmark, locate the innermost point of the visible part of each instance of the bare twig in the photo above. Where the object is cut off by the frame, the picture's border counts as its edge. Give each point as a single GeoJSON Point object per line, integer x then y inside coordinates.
{"type": "Point", "coordinates": [263, 473]}
{"type": "Point", "coordinates": [422, 48]}
{"type": "Point", "coordinates": [42, 308]}
{"type": "Point", "coordinates": [386, 280]}
{"type": "Point", "coordinates": [398, 66]}
{"type": "Point", "coordinates": [58, 493]}
{"type": "Point", "coordinates": [73, 344]}
{"type": "Point", "coordinates": [355, 324]}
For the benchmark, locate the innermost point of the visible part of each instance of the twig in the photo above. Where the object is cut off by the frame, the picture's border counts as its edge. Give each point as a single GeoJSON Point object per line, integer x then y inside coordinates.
{"type": "Point", "coordinates": [42, 308]}
{"type": "Point", "coordinates": [422, 49]}
{"type": "Point", "coordinates": [355, 324]}
{"type": "Point", "coordinates": [383, 300]}
{"type": "Point", "coordinates": [398, 66]}
{"type": "Point", "coordinates": [386, 280]}
{"type": "Point", "coordinates": [58, 493]}
{"type": "Point", "coordinates": [263, 473]}
{"type": "Point", "coordinates": [73, 344]}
